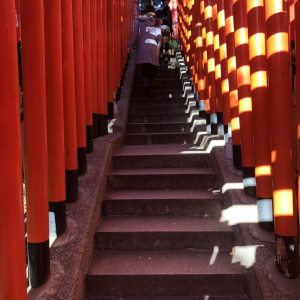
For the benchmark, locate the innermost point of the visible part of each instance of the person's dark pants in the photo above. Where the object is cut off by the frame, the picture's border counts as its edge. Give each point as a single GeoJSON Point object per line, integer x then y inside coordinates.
{"type": "Point", "coordinates": [149, 72]}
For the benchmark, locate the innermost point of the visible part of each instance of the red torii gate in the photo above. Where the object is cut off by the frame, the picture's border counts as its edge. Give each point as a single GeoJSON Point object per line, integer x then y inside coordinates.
{"type": "Point", "coordinates": [257, 74]}
{"type": "Point", "coordinates": [277, 164]}
{"type": "Point", "coordinates": [59, 57]}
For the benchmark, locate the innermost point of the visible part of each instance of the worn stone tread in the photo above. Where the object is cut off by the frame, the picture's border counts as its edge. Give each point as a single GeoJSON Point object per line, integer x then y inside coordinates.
{"type": "Point", "coordinates": [160, 194]}
{"type": "Point", "coordinates": [162, 171]}
{"type": "Point", "coordinates": [162, 224]}
{"type": "Point", "coordinates": [190, 262]}
{"type": "Point", "coordinates": [170, 149]}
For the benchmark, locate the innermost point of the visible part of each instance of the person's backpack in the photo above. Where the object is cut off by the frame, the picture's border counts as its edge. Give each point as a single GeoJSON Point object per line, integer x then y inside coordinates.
{"type": "Point", "coordinates": [159, 13]}
{"type": "Point", "coordinates": [166, 16]}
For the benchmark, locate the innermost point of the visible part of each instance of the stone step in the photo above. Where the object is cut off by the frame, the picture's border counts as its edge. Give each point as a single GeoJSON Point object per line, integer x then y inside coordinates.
{"type": "Point", "coordinates": [158, 82]}
{"type": "Point", "coordinates": [163, 117]}
{"type": "Point", "coordinates": [158, 138]}
{"type": "Point", "coordinates": [157, 94]}
{"type": "Point", "coordinates": [128, 233]}
{"type": "Point", "coordinates": [161, 178]}
{"type": "Point", "coordinates": [168, 297]}
{"type": "Point", "coordinates": [158, 88]}
{"type": "Point", "coordinates": [171, 108]}
{"type": "Point", "coordinates": [163, 72]}
{"type": "Point", "coordinates": [193, 202]}
{"type": "Point", "coordinates": [160, 156]}
{"type": "Point", "coordinates": [159, 101]}
{"type": "Point", "coordinates": [171, 274]}
{"type": "Point", "coordinates": [156, 128]}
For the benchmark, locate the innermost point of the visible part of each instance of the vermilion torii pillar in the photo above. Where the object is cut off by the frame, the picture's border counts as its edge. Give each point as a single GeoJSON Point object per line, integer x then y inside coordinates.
{"type": "Point", "coordinates": [102, 85]}
{"type": "Point", "coordinates": [86, 15]}
{"type": "Point", "coordinates": [223, 62]}
{"type": "Point", "coordinates": [260, 106]}
{"type": "Point", "coordinates": [199, 61]}
{"type": "Point", "coordinates": [211, 84]}
{"type": "Point", "coordinates": [35, 139]}
{"type": "Point", "coordinates": [94, 65]}
{"type": "Point", "coordinates": [79, 86]}
{"type": "Point", "coordinates": [55, 114]}
{"type": "Point", "coordinates": [219, 102]}
{"type": "Point", "coordinates": [69, 102]}
{"type": "Point", "coordinates": [110, 57]}
{"type": "Point", "coordinates": [297, 26]}
{"type": "Point", "coordinates": [204, 60]}
{"type": "Point", "coordinates": [244, 93]}
{"type": "Point", "coordinates": [12, 234]}
{"type": "Point", "coordinates": [282, 141]}
{"type": "Point", "coordinates": [233, 93]}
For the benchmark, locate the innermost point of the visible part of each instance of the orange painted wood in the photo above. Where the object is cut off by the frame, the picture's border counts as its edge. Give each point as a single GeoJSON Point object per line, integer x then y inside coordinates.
{"type": "Point", "coordinates": [243, 81]}
{"type": "Point", "coordinates": [231, 68]}
{"type": "Point", "coordinates": [12, 236]}
{"type": "Point", "coordinates": [35, 120]}
{"type": "Point", "coordinates": [260, 101]}
{"type": "Point", "coordinates": [223, 62]}
{"type": "Point", "coordinates": [79, 73]}
{"type": "Point", "coordinates": [281, 118]}
{"type": "Point", "coordinates": [69, 86]}
{"type": "Point", "coordinates": [54, 98]}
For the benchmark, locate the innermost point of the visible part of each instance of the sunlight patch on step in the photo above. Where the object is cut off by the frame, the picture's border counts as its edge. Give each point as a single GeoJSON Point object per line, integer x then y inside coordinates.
{"type": "Point", "coordinates": [110, 125]}
{"type": "Point", "coordinates": [245, 255]}
{"type": "Point", "coordinates": [189, 107]}
{"type": "Point", "coordinates": [206, 145]}
{"type": "Point", "coordinates": [52, 229]}
{"type": "Point", "coordinates": [232, 186]}
{"type": "Point", "coordinates": [197, 123]}
{"type": "Point", "coordinates": [214, 255]}
{"type": "Point", "coordinates": [192, 115]}
{"type": "Point", "coordinates": [239, 214]}
{"type": "Point", "coordinates": [184, 85]}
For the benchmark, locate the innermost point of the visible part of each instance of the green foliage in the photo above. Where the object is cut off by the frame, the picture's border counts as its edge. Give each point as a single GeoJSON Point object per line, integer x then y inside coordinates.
{"type": "Point", "coordinates": [174, 43]}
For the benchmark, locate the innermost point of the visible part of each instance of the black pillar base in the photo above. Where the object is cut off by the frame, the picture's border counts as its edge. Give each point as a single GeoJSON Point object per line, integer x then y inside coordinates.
{"type": "Point", "coordinates": [226, 133]}
{"type": "Point", "coordinates": [59, 209]}
{"type": "Point", "coordinates": [102, 125]}
{"type": "Point", "coordinates": [71, 185]}
{"type": "Point", "coordinates": [82, 163]}
{"type": "Point", "coordinates": [122, 78]}
{"type": "Point", "coordinates": [249, 181]}
{"type": "Point", "coordinates": [214, 128]}
{"type": "Point", "coordinates": [202, 114]}
{"type": "Point", "coordinates": [89, 138]}
{"type": "Point", "coordinates": [110, 110]}
{"type": "Point", "coordinates": [266, 226]}
{"type": "Point", "coordinates": [95, 125]}
{"type": "Point", "coordinates": [220, 123]}
{"type": "Point", "coordinates": [287, 256]}
{"type": "Point", "coordinates": [118, 94]}
{"type": "Point", "coordinates": [208, 125]}
{"type": "Point", "coordinates": [237, 156]}
{"type": "Point", "coordinates": [214, 123]}
{"type": "Point", "coordinates": [38, 263]}
{"type": "Point", "coordinates": [105, 124]}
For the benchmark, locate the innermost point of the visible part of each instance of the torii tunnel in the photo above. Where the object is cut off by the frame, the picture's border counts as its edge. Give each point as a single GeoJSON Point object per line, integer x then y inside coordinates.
{"type": "Point", "coordinates": [239, 54]}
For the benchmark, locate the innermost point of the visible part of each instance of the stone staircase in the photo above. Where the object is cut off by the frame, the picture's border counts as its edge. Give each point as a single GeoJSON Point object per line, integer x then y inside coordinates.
{"type": "Point", "coordinates": [160, 237]}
